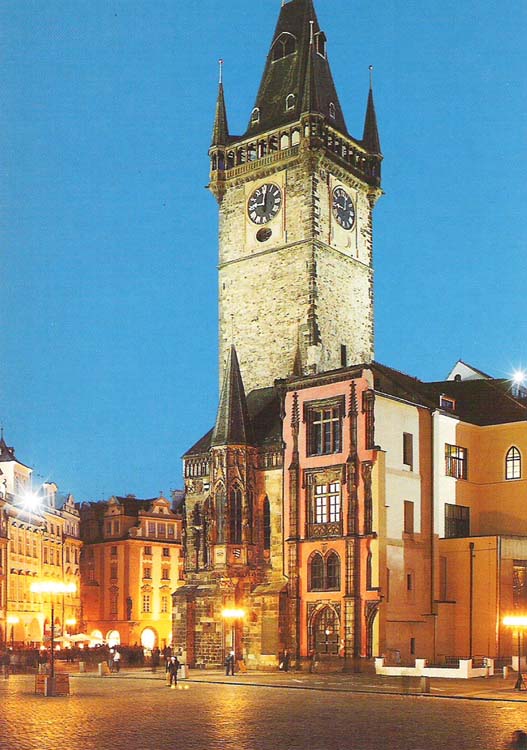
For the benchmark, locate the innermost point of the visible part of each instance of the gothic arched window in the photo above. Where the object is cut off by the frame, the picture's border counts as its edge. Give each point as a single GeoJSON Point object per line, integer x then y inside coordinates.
{"type": "Point", "coordinates": [316, 573]}
{"type": "Point", "coordinates": [289, 102]}
{"type": "Point", "coordinates": [284, 45]}
{"type": "Point", "coordinates": [332, 572]}
{"type": "Point", "coordinates": [220, 515]}
{"type": "Point", "coordinates": [267, 523]}
{"type": "Point", "coordinates": [235, 516]}
{"type": "Point", "coordinates": [513, 464]}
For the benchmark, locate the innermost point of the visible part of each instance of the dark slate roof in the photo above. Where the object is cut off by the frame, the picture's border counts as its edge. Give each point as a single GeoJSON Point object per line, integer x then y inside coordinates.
{"type": "Point", "coordinates": [370, 138]}
{"type": "Point", "coordinates": [220, 133]}
{"type": "Point", "coordinates": [305, 73]}
{"type": "Point", "coordinates": [233, 426]}
{"type": "Point", "coordinates": [479, 402]}
{"type": "Point", "coordinates": [7, 453]}
{"type": "Point", "coordinates": [263, 406]}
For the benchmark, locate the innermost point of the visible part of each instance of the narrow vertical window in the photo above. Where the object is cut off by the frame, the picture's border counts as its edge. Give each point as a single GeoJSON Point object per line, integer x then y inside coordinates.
{"type": "Point", "coordinates": [368, 406]}
{"type": "Point", "coordinates": [235, 516]}
{"type": "Point", "coordinates": [267, 523]}
{"type": "Point", "coordinates": [408, 517]}
{"type": "Point", "coordinates": [343, 355]}
{"type": "Point", "coordinates": [317, 573]}
{"type": "Point", "coordinates": [408, 449]}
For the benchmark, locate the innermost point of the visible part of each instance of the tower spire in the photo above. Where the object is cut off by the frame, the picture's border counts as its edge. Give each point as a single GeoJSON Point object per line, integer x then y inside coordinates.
{"type": "Point", "coordinates": [297, 73]}
{"type": "Point", "coordinates": [220, 133]}
{"type": "Point", "coordinates": [233, 425]}
{"type": "Point", "coordinates": [370, 138]}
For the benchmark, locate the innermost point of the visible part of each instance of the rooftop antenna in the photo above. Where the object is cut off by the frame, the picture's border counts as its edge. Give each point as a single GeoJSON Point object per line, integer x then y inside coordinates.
{"type": "Point", "coordinates": [221, 70]}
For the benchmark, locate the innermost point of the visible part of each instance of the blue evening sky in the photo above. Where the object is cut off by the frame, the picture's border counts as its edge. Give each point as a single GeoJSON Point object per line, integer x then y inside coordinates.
{"type": "Point", "coordinates": [109, 239]}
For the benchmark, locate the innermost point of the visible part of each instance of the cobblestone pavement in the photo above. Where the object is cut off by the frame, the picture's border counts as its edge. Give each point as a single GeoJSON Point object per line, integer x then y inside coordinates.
{"type": "Point", "coordinates": [136, 711]}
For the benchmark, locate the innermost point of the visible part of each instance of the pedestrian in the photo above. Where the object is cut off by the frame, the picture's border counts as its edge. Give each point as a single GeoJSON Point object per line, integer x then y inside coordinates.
{"type": "Point", "coordinates": [229, 664]}
{"type": "Point", "coordinates": [155, 659]}
{"type": "Point", "coordinates": [286, 660]}
{"type": "Point", "coordinates": [172, 669]}
{"type": "Point", "coordinates": [116, 661]}
{"type": "Point", "coordinates": [518, 740]}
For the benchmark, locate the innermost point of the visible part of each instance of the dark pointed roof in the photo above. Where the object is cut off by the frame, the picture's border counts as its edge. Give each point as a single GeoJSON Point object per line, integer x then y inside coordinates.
{"type": "Point", "coordinates": [370, 138]}
{"type": "Point", "coordinates": [233, 426]}
{"type": "Point", "coordinates": [7, 453]}
{"type": "Point", "coordinates": [220, 133]}
{"type": "Point", "coordinates": [304, 73]}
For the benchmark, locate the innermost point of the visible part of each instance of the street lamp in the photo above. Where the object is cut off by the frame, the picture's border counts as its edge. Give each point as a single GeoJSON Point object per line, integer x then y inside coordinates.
{"type": "Point", "coordinates": [52, 588]}
{"type": "Point", "coordinates": [231, 615]}
{"type": "Point", "coordinates": [12, 620]}
{"type": "Point", "coordinates": [519, 624]}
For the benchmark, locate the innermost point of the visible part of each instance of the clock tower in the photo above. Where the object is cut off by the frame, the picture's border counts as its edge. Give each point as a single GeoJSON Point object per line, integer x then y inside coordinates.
{"type": "Point", "coordinates": [296, 194]}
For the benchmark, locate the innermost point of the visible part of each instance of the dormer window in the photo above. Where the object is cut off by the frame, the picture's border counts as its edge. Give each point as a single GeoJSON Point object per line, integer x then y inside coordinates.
{"type": "Point", "coordinates": [255, 116]}
{"type": "Point", "coordinates": [289, 102]}
{"type": "Point", "coordinates": [332, 110]}
{"type": "Point", "coordinates": [321, 43]}
{"type": "Point", "coordinates": [284, 45]}
{"type": "Point", "coordinates": [447, 403]}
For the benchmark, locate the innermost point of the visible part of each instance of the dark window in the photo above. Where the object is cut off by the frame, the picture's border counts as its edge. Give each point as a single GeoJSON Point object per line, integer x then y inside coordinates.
{"type": "Point", "coordinates": [321, 43]}
{"type": "Point", "coordinates": [368, 405]}
{"type": "Point", "coordinates": [166, 551]}
{"type": "Point", "coordinates": [456, 459]}
{"type": "Point", "coordinates": [147, 550]}
{"type": "Point", "coordinates": [325, 429]}
{"type": "Point", "coordinates": [513, 464]}
{"type": "Point", "coordinates": [147, 572]}
{"type": "Point", "coordinates": [235, 516]}
{"type": "Point", "coordinates": [408, 449]}
{"type": "Point", "coordinates": [284, 45]}
{"type": "Point", "coordinates": [408, 517]}
{"type": "Point", "coordinates": [267, 523]}
{"type": "Point", "coordinates": [447, 403]}
{"type": "Point", "coordinates": [412, 646]}
{"type": "Point", "coordinates": [332, 572]}
{"type": "Point", "coordinates": [343, 355]}
{"type": "Point", "coordinates": [519, 585]}
{"type": "Point", "coordinates": [409, 581]}
{"type": "Point", "coordinates": [317, 573]}
{"type": "Point", "coordinates": [457, 520]}
{"type": "Point", "coordinates": [113, 551]}
{"type": "Point", "coordinates": [220, 516]}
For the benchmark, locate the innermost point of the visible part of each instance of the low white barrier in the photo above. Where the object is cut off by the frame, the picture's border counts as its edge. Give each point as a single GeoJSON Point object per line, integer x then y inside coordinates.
{"type": "Point", "coordinates": [465, 670]}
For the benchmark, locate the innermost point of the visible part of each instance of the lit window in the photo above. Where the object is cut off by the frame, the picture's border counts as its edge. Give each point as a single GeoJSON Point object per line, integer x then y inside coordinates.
{"type": "Point", "coordinates": [456, 461]}
{"type": "Point", "coordinates": [146, 602]}
{"type": "Point", "coordinates": [165, 574]}
{"type": "Point", "coordinates": [324, 427]}
{"type": "Point", "coordinates": [164, 604]}
{"type": "Point", "coordinates": [325, 507]}
{"type": "Point", "coordinates": [513, 464]}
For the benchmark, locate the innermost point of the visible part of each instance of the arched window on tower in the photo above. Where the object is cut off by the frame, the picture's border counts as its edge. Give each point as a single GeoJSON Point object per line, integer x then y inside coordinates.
{"type": "Point", "coordinates": [321, 43]}
{"type": "Point", "coordinates": [513, 464]}
{"type": "Point", "coordinates": [332, 110]}
{"type": "Point", "coordinates": [332, 572]}
{"type": "Point", "coordinates": [289, 102]}
{"type": "Point", "coordinates": [255, 116]}
{"type": "Point", "coordinates": [267, 523]}
{"type": "Point", "coordinates": [316, 573]}
{"type": "Point", "coordinates": [284, 45]}
{"type": "Point", "coordinates": [235, 516]}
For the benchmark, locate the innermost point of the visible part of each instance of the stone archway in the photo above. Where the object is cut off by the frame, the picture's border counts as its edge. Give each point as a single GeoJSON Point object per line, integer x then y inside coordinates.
{"type": "Point", "coordinates": [324, 632]}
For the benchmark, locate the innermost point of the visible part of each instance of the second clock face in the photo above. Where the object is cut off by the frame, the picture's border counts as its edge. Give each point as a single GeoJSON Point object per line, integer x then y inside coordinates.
{"type": "Point", "coordinates": [264, 203]}
{"type": "Point", "coordinates": [343, 208]}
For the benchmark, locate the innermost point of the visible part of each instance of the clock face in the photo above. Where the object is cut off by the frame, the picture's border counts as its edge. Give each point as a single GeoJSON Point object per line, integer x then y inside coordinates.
{"type": "Point", "coordinates": [264, 203]}
{"type": "Point", "coordinates": [343, 208]}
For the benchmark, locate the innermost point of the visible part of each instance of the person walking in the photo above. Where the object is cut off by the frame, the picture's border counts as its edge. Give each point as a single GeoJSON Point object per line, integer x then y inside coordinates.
{"type": "Point", "coordinates": [172, 669]}
{"type": "Point", "coordinates": [286, 660]}
{"type": "Point", "coordinates": [518, 740]}
{"type": "Point", "coordinates": [229, 664]}
{"type": "Point", "coordinates": [116, 661]}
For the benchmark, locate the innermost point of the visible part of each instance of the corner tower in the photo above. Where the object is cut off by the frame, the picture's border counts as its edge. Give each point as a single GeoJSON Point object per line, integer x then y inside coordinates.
{"type": "Point", "coordinates": [296, 194]}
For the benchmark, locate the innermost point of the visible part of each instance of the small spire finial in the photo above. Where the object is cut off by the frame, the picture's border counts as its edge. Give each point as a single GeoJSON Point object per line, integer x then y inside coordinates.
{"type": "Point", "coordinates": [311, 34]}
{"type": "Point", "coordinates": [2, 432]}
{"type": "Point", "coordinates": [371, 76]}
{"type": "Point", "coordinates": [221, 70]}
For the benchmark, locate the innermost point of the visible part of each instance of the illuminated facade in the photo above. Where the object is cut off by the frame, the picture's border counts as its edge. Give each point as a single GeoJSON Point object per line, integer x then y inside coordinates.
{"type": "Point", "coordinates": [39, 541]}
{"type": "Point", "coordinates": [130, 566]}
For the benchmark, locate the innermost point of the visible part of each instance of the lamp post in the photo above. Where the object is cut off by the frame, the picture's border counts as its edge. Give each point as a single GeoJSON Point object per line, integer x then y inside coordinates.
{"type": "Point", "coordinates": [12, 620]}
{"type": "Point", "coordinates": [52, 588]}
{"type": "Point", "coordinates": [230, 616]}
{"type": "Point", "coordinates": [519, 624]}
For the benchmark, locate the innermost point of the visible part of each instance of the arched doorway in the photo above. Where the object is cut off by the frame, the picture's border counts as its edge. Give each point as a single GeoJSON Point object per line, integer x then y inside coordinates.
{"type": "Point", "coordinates": [325, 632]}
{"type": "Point", "coordinates": [148, 638]}
{"type": "Point", "coordinates": [113, 638]}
